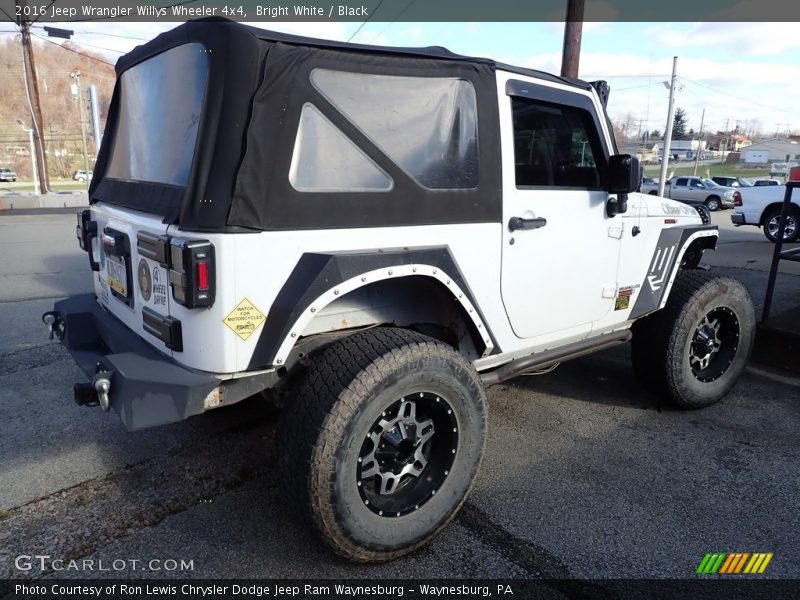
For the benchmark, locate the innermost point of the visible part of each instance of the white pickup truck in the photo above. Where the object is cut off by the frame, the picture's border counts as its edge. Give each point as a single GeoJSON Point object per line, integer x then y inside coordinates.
{"type": "Point", "coordinates": [761, 206]}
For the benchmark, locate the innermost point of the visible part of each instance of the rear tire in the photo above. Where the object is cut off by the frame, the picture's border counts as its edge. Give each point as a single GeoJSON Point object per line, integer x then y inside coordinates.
{"type": "Point", "coordinates": [382, 442]}
{"type": "Point", "coordinates": [693, 350]}
{"type": "Point", "coordinates": [772, 223]}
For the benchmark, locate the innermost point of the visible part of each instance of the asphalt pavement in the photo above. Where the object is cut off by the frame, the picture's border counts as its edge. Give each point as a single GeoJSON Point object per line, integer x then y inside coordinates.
{"type": "Point", "coordinates": [585, 474]}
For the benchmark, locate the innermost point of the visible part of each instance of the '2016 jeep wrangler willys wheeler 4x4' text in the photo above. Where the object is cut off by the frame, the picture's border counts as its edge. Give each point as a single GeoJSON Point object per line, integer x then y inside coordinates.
{"type": "Point", "coordinates": [384, 232]}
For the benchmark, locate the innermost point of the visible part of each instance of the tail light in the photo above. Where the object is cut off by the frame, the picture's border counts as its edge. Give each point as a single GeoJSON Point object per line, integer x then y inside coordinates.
{"type": "Point", "coordinates": [737, 199]}
{"type": "Point", "coordinates": [192, 274]}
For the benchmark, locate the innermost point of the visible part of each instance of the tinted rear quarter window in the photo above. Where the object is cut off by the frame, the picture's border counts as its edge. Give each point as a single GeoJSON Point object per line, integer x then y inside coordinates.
{"type": "Point", "coordinates": [160, 104]}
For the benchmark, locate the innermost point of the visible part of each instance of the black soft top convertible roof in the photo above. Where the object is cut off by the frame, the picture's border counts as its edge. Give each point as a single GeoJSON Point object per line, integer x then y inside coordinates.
{"type": "Point", "coordinates": [258, 82]}
{"type": "Point", "coordinates": [142, 52]}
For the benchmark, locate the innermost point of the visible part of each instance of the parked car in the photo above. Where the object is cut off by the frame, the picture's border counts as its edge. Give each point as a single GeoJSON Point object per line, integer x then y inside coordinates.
{"type": "Point", "coordinates": [7, 174]}
{"type": "Point", "coordinates": [731, 181]}
{"type": "Point", "coordinates": [648, 183]}
{"type": "Point", "coordinates": [696, 189]}
{"type": "Point", "coordinates": [761, 206]}
{"type": "Point", "coordinates": [650, 186]}
{"type": "Point", "coordinates": [765, 182]}
{"type": "Point", "coordinates": [82, 175]}
{"type": "Point", "coordinates": [659, 159]}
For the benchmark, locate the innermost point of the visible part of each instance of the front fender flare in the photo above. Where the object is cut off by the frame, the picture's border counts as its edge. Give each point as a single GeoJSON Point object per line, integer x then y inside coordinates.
{"type": "Point", "coordinates": [667, 257]}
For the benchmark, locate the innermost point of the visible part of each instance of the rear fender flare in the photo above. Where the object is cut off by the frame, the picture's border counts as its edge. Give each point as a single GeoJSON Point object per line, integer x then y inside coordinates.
{"type": "Point", "coordinates": [369, 277]}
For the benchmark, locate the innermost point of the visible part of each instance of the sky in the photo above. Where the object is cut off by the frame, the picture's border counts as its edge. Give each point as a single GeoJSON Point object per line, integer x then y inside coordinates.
{"type": "Point", "coordinates": [743, 72]}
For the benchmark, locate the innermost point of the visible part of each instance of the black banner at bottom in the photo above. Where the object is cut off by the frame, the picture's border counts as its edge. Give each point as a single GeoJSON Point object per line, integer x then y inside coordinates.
{"type": "Point", "coordinates": [333, 589]}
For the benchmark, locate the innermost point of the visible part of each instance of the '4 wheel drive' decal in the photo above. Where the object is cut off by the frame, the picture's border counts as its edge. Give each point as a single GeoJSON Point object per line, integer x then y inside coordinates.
{"type": "Point", "coordinates": [660, 267]}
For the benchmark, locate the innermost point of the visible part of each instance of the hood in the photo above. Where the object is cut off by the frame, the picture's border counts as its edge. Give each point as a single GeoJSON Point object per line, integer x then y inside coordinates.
{"type": "Point", "coordinates": [647, 205]}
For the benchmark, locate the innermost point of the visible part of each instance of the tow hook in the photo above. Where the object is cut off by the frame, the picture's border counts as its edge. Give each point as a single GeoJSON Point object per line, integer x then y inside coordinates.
{"type": "Point", "coordinates": [95, 393]}
{"type": "Point", "coordinates": [54, 324]}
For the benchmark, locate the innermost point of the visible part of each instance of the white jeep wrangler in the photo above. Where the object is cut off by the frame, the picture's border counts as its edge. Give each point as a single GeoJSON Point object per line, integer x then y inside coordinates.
{"type": "Point", "coordinates": [383, 232]}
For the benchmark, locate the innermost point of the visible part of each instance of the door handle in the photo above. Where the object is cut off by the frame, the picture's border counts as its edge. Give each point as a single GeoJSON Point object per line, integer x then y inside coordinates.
{"type": "Point", "coordinates": [515, 223]}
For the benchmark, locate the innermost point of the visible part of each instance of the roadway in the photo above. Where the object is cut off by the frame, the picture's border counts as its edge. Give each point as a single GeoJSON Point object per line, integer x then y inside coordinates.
{"type": "Point", "coordinates": [585, 474]}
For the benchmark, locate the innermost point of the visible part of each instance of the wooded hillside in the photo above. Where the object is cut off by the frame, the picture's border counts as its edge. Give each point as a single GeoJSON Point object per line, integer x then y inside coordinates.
{"type": "Point", "coordinates": [59, 107]}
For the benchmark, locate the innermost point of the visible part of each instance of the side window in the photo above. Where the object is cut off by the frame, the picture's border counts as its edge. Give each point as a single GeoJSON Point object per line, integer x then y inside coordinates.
{"type": "Point", "coordinates": [681, 182]}
{"type": "Point", "coordinates": [428, 126]}
{"type": "Point", "coordinates": [326, 160]}
{"type": "Point", "coordinates": [555, 146]}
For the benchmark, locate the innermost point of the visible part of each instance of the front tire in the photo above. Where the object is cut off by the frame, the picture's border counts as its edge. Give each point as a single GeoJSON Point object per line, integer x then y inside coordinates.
{"type": "Point", "coordinates": [713, 203]}
{"type": "Point", "coordinates": [383, 441]}
{"type": "Point", "coordinates": [693, 350]}
{"type": "Point", "coordinates": [772, 224]}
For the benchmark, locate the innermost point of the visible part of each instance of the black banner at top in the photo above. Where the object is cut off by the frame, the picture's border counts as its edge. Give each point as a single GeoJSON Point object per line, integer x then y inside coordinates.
{"type": "Point", "coordinates": [399, 10]}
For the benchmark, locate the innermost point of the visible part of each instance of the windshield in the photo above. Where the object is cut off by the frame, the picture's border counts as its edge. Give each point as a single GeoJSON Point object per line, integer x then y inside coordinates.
{"type": "Point", "coordinates": [710, 183]}
{"type": "Point", "coordinates": [744, 183]}
{"type": "Point", "coordinates": [160, 103]}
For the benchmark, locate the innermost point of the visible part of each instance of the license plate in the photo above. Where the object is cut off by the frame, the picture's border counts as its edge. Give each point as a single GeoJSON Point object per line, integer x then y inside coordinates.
{"type": "Point", "coordinates": [117, 275]}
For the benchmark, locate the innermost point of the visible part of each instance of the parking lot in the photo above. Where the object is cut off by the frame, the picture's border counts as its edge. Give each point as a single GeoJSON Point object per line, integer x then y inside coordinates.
{"type": "Point", "coordinates": [585, 474]}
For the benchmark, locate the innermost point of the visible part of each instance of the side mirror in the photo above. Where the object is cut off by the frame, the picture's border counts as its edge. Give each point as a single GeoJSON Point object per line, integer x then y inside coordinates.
{"type": "Point", "coordinates": [624, 175]}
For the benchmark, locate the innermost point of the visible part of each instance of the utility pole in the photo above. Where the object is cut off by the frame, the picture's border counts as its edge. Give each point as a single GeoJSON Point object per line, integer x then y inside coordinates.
{"type": "Point", "coordinates": [724, 142]}
{"type": "Point", "coordinates": [32, 93]}
{"type": "Point", "coordinates": [76, 75]}
{"type": "Point", "coordinates": [662, 179]}
{"type": "Point", "coordinates": [573, 29]}
{"type": "Point", "coordinates": [699, 143]}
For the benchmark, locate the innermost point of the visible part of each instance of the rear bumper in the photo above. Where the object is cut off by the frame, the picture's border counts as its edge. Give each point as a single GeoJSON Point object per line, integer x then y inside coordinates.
{"type": "Point", "coordinates": [737, 219]}
{"type": "Point", "coordinates": [147, 388]}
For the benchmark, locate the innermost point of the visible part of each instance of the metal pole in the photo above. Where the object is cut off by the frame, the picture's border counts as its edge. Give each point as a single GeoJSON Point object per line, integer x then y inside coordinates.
{"type": "Point", "coordinates": [77, 77]}
{"type": "Point", "coordinates": [699, 143]}
{"type": "Point", "coordinates": [35, 173]}
{"type": "Point", "coordinates": [668, 133]}
{"type": "Point", "coordinates": [573, 29]}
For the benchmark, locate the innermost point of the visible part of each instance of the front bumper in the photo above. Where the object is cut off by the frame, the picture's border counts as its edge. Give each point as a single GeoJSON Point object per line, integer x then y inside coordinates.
{"type": "Point", "coordinates": [147, 388]}
{"type": "Point", "coordinates": [738, 219]}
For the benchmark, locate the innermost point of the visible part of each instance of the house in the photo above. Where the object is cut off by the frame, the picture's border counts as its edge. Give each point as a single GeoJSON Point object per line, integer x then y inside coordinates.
{"type": "Point", "coordinates": [683, 148]}
{"type": "Point", "coordinates": [774, 150]}
{"type": "Point", "coordinates": [643, 153]}
{"type": "Point", "coordinates": [732, 142]}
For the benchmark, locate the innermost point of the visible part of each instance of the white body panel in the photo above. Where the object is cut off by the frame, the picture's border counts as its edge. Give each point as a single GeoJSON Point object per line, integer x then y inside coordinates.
{"type": "Point", "coordinates": [756, 199]}
{"type": "Point", "coordinates": [554, 276]}
{"type": "Point", "coordinates": [131, 222]}
{"type": "Point", "coordinates": [554, 285]}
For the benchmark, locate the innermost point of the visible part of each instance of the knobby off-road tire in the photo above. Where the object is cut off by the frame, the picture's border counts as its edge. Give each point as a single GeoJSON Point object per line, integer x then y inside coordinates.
{"type": "Point", "coordinates": [693, 350]}
{"type": "Point", "coordinates": [369, 492]}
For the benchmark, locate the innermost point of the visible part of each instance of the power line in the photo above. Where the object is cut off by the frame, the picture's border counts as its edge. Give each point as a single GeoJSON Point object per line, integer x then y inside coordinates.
{"type": "Point", "coordinates": [635, 87]}
{"type": "Point", "coordinates": [105, 62]}
{"type": "Point", "coordinates": [10, 18]}
{"type": "Point", "coordinates": [41, 14]}
{"type": "Point", "coordinates": [392, 22]}
{"type": "Point", "coordinates": [373, 13]}
{"type": "Point", "coordinates": [740, 98]}
{"type": "Point", "coordinates": [115, 35]}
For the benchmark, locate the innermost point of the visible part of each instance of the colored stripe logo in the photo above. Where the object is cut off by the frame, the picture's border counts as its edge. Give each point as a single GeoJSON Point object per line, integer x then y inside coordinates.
{"type": "Point", "coordinates": [734, 563]}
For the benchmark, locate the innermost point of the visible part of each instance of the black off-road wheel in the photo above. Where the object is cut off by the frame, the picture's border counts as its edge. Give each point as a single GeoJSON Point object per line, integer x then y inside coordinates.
{"type": "Point", "coordinates": [382, 441]}
{"type": "Point", "coordinates": [693, 350]}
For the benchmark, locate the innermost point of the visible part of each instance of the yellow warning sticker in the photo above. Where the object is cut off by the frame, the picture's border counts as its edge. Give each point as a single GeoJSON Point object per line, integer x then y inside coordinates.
{"type": "Point", "coordinates": [244, 319]}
